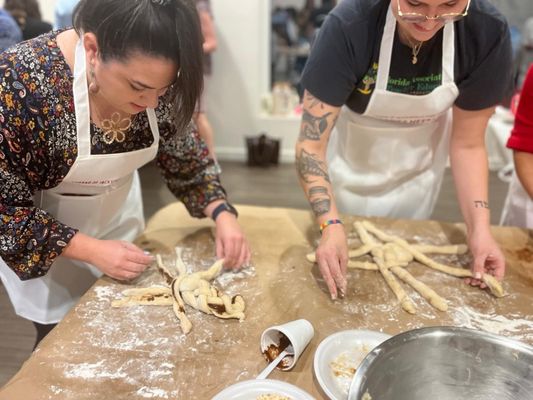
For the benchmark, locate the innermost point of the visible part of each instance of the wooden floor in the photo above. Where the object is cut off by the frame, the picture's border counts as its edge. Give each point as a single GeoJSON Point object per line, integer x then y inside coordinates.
{"type": "Point", "coordinates": [275, 186]}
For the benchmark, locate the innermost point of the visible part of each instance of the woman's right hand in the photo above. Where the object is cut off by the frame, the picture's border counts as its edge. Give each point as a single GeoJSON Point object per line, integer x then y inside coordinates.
{"type": "Point", "coordinates": [116, 258]}
{"type": "Point", "coordinates": [332, 259]}
{"type": "Point", "coordinates": [120, 259]}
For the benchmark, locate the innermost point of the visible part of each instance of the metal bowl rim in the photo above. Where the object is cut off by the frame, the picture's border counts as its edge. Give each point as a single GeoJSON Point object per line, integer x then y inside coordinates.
{"type": "Point", "coordinates": [433, 331]}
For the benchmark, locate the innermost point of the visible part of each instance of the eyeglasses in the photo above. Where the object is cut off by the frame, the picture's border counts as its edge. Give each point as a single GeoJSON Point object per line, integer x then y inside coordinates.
{"type": "Point", "coordinates": [417, 18]}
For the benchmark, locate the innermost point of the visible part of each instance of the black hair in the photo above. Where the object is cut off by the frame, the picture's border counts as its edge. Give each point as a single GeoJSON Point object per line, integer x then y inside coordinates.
{"type": "Point", "coordinates": [161, 28]}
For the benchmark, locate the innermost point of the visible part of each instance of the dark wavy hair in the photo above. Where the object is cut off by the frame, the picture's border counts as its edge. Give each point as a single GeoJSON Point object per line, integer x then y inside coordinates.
{"type": "Point", "coordinates": [162, 28]}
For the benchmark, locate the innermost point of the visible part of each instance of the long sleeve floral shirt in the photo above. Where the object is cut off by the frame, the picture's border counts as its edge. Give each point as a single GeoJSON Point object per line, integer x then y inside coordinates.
{"type": "Point", "coordinates": [38, 147]}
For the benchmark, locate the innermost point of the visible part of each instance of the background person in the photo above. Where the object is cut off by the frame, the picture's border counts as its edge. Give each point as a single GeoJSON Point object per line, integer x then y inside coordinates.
{"type": "Point", "coordinates": [10, 32]}
{"type": "Point", "coordinates": [518, 208]}
{"type": "Point", "coordinates": [63, 13]}
{"type": "Point", "coordinates": [28, 17]}
{"type": "Point", "coordinates": [209, 46]}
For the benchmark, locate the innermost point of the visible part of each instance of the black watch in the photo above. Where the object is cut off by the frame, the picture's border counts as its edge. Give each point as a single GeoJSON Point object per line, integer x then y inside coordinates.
{"type": "Point", "coordinates": [223, 207]}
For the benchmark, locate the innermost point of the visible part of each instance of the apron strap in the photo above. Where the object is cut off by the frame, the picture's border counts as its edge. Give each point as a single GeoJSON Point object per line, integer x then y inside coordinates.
{"type": "Point", "coordinates": [81, 101]}
{"type": "Point", "coordinates": [152, 120]}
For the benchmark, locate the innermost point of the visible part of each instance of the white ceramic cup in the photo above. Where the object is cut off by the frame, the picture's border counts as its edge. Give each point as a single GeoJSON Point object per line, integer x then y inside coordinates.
{"type": "Point", "coordinates": [298, 332]}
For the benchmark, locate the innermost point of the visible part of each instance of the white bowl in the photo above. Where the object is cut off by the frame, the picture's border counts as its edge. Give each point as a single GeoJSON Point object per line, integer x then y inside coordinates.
{"type": "Point", "coordinates": [348, 348]}
{"type": "Point", "coordinates": [247, 390]}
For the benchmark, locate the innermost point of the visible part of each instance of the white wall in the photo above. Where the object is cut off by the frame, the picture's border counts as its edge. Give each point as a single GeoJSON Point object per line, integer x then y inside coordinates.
{"type": "Point", "coordinates": [241, 75]}
{"type": "Point", "coordinates": [47, 10]}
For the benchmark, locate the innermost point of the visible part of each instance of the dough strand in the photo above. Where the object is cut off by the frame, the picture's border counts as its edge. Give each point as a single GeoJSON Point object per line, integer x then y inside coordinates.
{"type": "Point", "coordinates": [425, 291]}
{"type": "Point", "coordinates": [494, 285]}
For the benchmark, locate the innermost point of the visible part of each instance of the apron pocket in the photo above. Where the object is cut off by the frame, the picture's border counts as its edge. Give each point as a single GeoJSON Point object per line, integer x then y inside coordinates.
{"type": "Point", "coordinates": [390, 154]}
{"type": "Point", "coordinates": [89, 214]}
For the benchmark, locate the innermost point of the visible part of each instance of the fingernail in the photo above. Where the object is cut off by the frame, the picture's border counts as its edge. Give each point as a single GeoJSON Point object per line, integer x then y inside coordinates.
{"type": "Point", "coordinates": [477, 275]}
{"type": "Point", "coordinates": [333, 297]}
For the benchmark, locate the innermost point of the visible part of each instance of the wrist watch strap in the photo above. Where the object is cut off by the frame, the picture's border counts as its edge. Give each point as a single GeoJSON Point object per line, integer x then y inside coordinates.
{"type": "Point", "coordinates": [223, 207]}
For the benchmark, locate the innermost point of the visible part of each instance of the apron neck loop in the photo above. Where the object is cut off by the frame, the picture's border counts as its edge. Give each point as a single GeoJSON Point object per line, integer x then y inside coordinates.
{"type": "Point", "coordinates": [387, 44]}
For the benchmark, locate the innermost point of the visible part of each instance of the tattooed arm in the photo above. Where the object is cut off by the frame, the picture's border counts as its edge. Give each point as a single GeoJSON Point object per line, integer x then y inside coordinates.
{"type": "Point", "coordinates": [332, 254]}
{"type": "Point", "coordinates": [468, 158]}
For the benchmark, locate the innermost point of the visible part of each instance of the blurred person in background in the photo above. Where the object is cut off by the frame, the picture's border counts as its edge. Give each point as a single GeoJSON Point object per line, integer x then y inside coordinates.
{"type": "Point", "coordinates": [28, 17]}
{"type": "Point", "coordinates": [209, 46]}
{"type": "Point", "coordinates": [518, 208]}
{"type": "Point", "coordinates": [63, 13]}
{"type": "Point", "coordinates": [10, 32]}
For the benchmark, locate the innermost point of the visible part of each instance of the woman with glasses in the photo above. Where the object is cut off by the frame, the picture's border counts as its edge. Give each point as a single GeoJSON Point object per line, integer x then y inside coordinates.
{"type": "Point", "coordinates": [392, 87]}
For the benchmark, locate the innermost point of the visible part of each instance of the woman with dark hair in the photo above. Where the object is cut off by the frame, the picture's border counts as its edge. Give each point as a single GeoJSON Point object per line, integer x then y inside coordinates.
{"type": "Point", "coordinates": [82, 110]}
{"type": "Point", "coordinates": [28, 17]}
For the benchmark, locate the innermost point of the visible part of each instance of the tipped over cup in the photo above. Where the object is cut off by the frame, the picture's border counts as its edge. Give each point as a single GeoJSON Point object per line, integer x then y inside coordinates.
{"type": "Point", "coordinates": [293, 336]}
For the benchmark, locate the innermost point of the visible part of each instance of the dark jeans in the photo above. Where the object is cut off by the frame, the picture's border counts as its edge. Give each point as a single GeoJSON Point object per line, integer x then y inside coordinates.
{"type": "Point", "coordinates": [42, 331]}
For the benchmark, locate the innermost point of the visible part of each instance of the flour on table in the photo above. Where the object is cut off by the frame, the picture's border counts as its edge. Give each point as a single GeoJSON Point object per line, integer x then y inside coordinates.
{"type": "Point", "coordinates": [152, 393]}
{"type": "Point", "coordinates": [228, 277]}
{"type": "Point", "coordinates": [516, 328]}
{"type": "Point", "coordinates": [93, 371]}
{"type": "Point", "coordinates": [104, 292]}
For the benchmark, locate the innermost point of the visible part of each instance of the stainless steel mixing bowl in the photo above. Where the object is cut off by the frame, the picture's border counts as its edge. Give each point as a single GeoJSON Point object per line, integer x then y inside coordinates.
{"type": "Point", "coordinates": [446, 363]}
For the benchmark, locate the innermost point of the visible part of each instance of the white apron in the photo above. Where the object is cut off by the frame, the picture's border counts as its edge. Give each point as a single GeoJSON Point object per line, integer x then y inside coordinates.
{"type": "Point", "coordinates": [518, 207]}
{"type": "Point", "coordinates": [390, 160]}
{"type": "Point", "coordinates": [110, 208]}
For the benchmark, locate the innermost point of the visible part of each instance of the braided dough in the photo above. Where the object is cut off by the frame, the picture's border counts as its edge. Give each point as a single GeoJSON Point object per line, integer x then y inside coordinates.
{"type": "Point", "coordinates": [393, 254]}
{"type": "Point", "coordinates": [193, 289]}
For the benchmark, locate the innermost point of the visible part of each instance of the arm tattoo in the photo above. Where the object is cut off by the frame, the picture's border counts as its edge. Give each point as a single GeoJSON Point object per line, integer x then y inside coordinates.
{"type": "Point", "coordinates": [481, 204]}
{"type": "Point", "coordinates": [313, 127]}
{"type": "Point", "coordinates": [319, 199]}
{"type": "Point", "coordinates": [310, 166]}
{"type": "Point", "coordinates": [313, 101]}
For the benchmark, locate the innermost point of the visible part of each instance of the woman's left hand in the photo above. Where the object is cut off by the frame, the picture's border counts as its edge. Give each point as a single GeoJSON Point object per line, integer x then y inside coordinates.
{"type": "Point", "coordinates": [230, 242]}
{"type": "Point", "coordinates": [487, 257]}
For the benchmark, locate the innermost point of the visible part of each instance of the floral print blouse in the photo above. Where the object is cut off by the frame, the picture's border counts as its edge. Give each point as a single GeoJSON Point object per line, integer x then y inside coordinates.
{"type": "Point", "coordinates": [38, 147]}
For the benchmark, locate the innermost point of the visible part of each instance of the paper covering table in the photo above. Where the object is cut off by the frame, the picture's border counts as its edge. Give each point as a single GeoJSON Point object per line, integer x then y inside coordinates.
{"type": "Point", "coordinates": [99, 352]}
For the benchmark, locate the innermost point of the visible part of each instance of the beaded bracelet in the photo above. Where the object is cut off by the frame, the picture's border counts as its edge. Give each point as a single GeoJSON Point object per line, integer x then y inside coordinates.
{"type": "Point", "coordinates": [329, 222]}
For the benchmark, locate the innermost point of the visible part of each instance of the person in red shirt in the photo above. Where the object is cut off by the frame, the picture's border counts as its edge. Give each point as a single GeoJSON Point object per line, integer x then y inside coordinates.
{"type": "Point", "coordinates": [518, 208]}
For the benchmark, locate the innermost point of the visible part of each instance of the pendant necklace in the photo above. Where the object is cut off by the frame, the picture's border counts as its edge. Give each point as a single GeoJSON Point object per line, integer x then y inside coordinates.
{"type": "Point", "coordinates": [414, 51]}
{"type": "Point", "coordinates": [114, 128]}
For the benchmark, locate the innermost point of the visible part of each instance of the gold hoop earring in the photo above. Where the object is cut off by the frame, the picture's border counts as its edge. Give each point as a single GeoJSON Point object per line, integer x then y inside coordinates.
{"type": "Point", "coordinates": [93, 85]}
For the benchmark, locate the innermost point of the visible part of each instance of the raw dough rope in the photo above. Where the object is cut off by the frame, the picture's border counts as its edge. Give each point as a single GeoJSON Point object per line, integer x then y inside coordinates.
{"type": "Point", "coordinates": [379, 257]}
{"type": "Point", "coordinates": [493, 284]}
{"type": "Point", "coordinates": [192, 289]}
{"type": "Point", "coordinates": [389, 258]}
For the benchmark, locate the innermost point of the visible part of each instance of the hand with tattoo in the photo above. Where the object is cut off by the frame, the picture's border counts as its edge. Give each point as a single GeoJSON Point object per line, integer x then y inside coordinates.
{"type": "Point", "coordinates": [332, 253]}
